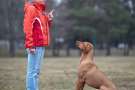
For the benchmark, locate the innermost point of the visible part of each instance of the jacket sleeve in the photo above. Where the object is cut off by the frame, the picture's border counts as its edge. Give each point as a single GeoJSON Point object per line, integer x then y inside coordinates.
{"type": "Point", "coordinates": [28, 25]}
{"type": "Point", "coordinates": [49, 21]}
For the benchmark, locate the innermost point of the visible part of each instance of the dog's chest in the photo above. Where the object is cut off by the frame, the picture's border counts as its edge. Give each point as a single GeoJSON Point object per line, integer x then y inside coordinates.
{"type": "Point", "coordinates": [84, 67]}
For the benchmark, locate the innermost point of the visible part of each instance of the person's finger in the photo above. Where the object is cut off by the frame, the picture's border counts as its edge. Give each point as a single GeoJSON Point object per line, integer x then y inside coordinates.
{"type": "Point", "coordinates": [52, 11]}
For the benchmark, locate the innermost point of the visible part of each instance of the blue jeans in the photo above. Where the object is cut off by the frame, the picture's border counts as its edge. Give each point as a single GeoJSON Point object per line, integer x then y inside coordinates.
{"type": "Point", "coordinates": [33, 68]}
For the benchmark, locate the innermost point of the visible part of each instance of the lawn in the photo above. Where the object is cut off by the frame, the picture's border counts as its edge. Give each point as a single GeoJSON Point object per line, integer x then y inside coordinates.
{"type": "Point", "coordinates": [60, 73]}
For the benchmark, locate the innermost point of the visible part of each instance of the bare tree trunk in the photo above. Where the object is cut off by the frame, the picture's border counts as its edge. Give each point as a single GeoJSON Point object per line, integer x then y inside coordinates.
{"type": "Point", "coordinates": [108, 45]}
{"type": "Point", "coordinates": [126, 50]}
{"type": "Point", "coordinates": [55, 50]}
{"type": "Point", "coordinates": [11, 38]}
{"type": "Point", "coordinates": [108, 50]}
{"type": "Point", "coordinates": [11, 21]}
{"type": "Point", "coordinates": [12, 47]}
{"type": "Point", "coordinates": [67, 51]}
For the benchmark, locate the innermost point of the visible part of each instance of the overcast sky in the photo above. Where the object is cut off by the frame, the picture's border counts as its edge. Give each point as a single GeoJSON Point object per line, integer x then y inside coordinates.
{"type": "Point", "coordinates": [58, 1]}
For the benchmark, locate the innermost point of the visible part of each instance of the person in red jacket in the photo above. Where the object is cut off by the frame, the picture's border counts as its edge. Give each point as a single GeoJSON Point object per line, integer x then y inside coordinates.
{"type": "Point", "coordinates": [36, 29]}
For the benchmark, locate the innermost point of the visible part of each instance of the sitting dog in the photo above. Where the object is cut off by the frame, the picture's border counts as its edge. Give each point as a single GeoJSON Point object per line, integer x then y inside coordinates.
{"type": "Point", "coordinates": [88, 72]}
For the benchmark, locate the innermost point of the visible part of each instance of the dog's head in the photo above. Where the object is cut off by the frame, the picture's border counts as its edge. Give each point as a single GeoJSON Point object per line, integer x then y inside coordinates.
{"type": "Point", "coordinates": [84, 46]}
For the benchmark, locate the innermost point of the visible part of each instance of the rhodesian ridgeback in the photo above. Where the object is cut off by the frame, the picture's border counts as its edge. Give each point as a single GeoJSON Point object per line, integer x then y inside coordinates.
{"type": "Point", "coordinates": [88, 72]}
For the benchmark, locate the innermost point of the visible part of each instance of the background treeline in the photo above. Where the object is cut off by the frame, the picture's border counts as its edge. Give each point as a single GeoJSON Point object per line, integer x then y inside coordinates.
{"type": "Point", "coordinates": [107, 24]}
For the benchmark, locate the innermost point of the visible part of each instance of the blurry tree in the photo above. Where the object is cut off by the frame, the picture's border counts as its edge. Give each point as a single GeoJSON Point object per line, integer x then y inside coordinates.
{"type": "Point", "coordinates": [130, 35]}
{"type": "Point", "coordinates": [11, 22]}
{"type": "Point", "coordinates": [103, 22]}
{"type": "Point", "coordinates": [100, 21]}
{"type": "Point", "coordinates": [60, 26]}
{"type": "Point", "coordinates": [11, 27]}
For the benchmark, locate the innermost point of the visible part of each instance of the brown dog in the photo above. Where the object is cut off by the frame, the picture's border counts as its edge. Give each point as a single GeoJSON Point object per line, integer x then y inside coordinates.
{"type": "Point", "coordinates": [88, 72]}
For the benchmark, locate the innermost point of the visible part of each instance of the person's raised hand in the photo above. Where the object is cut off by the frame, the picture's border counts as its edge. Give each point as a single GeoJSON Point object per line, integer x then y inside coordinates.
{"type": "Point", "coordinates": [51, 14]}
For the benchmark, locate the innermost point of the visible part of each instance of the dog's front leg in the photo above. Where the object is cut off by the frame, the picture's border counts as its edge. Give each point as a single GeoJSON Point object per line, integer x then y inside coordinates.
{"type": "Point", "coordinates": [80, 84]}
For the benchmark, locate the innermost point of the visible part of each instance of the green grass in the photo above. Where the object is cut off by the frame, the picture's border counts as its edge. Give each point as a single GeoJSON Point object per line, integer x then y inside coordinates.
{"type": "Point", "coordinates": [60, 73]}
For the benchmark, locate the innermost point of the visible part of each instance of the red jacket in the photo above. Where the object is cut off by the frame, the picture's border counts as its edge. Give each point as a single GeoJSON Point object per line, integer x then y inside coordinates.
{"type": "Point", "coordinates": [36, 25]}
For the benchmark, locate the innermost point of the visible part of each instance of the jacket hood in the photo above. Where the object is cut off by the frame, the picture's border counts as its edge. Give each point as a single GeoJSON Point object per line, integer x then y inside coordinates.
{"type": "Point", "coordinates": [40, 5]}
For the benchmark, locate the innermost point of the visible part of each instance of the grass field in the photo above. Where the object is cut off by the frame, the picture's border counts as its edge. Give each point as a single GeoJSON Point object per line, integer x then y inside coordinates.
{"type": "Point", "coordinates": [60, 73]}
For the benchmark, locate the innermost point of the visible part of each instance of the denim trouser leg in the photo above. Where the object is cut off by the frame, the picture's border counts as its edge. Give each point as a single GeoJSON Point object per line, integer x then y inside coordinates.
{"type": "Point", "coordinates": [33, 68]}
